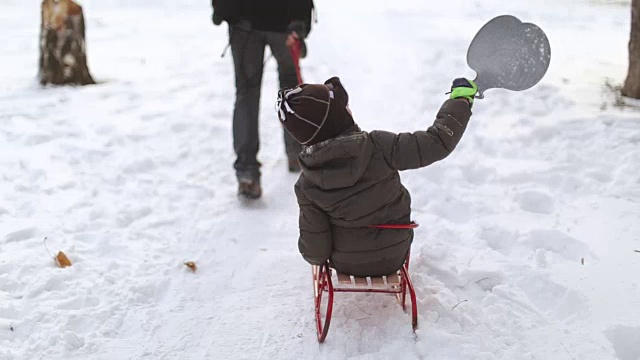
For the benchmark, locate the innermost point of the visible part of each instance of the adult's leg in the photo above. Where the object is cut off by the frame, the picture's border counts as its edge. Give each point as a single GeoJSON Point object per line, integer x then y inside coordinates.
{"type": "Point", "coordinates": [288, 79]}
{"type": "Point", "coordinates": [247, 48]}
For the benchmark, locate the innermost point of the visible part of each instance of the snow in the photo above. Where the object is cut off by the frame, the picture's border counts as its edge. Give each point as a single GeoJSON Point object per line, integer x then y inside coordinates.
{"type": "Point", "coordinates": [528, 233]}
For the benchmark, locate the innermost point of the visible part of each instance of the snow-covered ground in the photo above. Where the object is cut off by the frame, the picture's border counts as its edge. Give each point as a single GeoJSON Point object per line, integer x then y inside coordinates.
{"type": "Point", "coordinates": [530, 227]}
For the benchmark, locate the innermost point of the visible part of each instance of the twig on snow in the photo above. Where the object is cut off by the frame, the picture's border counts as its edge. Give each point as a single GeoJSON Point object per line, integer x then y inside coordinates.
{"type": "Point", "coordinates": [638, 251]}
{"type": "Point", "coordinates": [361, 309]}
{"type": "Point", "coordinates": [44, 242]}
{"type": "Point", "coordinates": [568, 353]}
{"type": "Point", "coordinates": [458, 304]}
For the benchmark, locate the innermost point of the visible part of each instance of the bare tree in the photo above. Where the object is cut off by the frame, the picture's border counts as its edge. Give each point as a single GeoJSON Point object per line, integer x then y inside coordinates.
{"type": "Point", "coordinates": [631, 86]}
{"type": "Point", "coordinates": [63, 58]}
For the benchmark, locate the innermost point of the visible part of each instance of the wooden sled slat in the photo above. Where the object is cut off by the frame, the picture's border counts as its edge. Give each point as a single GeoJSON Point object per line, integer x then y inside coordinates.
{"type": "Point", "coordinates": [393, 279]}
{"type": "Point", "coordinates": [344, 279]}
{"type": "Point", "coordinates": [361, 281]}
{"type": "Point", "coordinates": [377, 281]}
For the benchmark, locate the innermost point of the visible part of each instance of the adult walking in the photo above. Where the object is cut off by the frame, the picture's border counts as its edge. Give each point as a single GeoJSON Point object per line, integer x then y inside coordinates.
{"type": "Point", "coordinates": [254, 24]}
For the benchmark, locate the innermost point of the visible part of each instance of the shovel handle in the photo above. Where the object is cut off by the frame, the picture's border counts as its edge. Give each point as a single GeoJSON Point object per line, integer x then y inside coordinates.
{"type": "Point", "coordinates": [481, 89]}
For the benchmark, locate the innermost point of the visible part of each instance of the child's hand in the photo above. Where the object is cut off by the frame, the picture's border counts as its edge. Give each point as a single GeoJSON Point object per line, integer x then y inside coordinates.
{"type": "Point", "coordinates": [463, 88]}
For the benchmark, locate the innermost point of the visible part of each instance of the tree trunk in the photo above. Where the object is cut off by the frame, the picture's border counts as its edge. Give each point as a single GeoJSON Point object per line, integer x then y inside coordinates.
{"type": "Point", "coordinates": [63, 58]}
{"type": "Point", "coordinates": [631, 86]}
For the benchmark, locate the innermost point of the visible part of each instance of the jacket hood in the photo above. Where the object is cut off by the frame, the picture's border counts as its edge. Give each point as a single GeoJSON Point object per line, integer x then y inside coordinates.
{"type": "Point", "coordinates": [338, 162]}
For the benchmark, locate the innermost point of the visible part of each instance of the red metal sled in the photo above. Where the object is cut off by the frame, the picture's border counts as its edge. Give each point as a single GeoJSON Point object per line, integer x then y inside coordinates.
{"type": "Point", "coordinates": [397, 284]}
{"type": "Point", "coordinates": [296, 51]}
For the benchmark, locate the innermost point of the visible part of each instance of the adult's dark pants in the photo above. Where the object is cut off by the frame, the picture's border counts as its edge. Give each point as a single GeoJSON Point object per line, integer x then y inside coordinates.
{"type": "Point", "coordinates": [247, 48]}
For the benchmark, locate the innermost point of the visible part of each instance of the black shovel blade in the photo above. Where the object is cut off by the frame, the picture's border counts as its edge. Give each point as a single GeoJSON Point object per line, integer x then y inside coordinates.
{"type": "Point", "coordinates": [509, 54]}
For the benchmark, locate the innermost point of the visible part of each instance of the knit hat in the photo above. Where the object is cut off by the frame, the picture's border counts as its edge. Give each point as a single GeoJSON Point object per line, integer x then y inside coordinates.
{"type": "Point", "coordinates": [313, 113]}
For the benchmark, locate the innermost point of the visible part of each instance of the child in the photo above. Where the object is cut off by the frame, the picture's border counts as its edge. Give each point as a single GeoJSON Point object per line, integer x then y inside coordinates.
{"type": "Point", "coordinates": [350, 178]}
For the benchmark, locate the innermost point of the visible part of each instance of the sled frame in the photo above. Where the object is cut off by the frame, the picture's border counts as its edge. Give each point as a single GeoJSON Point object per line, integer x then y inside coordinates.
{"type": "Point", "coordinates": [398, 284]}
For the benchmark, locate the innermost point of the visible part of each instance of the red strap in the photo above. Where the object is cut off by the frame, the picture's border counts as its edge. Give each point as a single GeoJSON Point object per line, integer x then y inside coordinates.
{"type": "Point", "coordinates": [411, 225]}
{"type": "Point", "coordinates": [295, 51]}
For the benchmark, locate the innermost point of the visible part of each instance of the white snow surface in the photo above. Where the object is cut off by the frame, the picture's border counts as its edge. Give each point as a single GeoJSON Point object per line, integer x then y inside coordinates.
{"type": "Point", "coordinates": [530, 227]}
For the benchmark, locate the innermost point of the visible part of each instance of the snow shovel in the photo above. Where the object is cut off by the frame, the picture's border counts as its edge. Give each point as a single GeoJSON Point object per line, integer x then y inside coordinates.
{"type": "Point", "coordinates": [508, 54]}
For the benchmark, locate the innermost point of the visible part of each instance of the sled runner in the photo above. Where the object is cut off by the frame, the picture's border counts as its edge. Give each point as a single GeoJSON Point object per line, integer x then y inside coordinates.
{"type": "Point", "coordinates": [327, 281]}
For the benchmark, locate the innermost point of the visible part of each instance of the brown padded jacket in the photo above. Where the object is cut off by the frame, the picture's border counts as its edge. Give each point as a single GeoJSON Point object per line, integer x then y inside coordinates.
{"type": "Point", "coordinates": [351, 182]}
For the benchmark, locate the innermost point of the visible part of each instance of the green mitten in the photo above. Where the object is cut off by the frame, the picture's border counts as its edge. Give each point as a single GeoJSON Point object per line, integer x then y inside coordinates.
{"type": "Point", "coordinates": [463, 88]}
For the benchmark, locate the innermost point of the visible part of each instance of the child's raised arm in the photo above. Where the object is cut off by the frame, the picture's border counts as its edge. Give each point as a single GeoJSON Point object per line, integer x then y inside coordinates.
{"type": "Point", "coordinates": [415, 150]}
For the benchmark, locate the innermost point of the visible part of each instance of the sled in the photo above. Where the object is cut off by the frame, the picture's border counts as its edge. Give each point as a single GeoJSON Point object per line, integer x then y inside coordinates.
{"type": "Point", "coordinates": [327, 282]}
{"type": "Point", "coordinates": [296, 52]}
{"type": "Point", "coordinates": [508, 54]}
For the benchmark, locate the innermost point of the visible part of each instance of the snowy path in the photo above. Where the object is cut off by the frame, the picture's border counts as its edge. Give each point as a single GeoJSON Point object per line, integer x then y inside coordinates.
{"type": "Point", "coordinates": [529, 227]}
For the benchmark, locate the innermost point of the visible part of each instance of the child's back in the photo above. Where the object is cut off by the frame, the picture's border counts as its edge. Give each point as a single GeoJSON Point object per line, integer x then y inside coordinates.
{"type": "Point", "coordinates": [350, 182]}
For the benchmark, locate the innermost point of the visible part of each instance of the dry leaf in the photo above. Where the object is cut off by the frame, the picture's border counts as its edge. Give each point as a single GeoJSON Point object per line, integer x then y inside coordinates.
{"type": "Point", "coordinates": [582, 261]}
{"type": "Point", "coordinates": [191, 265]}
{"type": "Point", "coordinates": [62, 260]}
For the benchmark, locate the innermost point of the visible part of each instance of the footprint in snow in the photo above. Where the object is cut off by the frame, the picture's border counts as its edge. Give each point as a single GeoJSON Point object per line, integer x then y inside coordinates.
{"type": "Point", "coordinates": [485, 279]}
{"type": "Point", "coordinates": [453, 209]}
{"type": "Point", "coordinates": [625, 341]}
{"type": "Point", "coordinates": [73, 341]}
{"type": "Point", "coordinates": [557, 242]}
{"type": "Point", "coordinates": [126, 218]}
{"type": "Point", "coordinates": [140, 166]}
{"type": "Point", "coordinates": [36, 139]}
{"type": "Point", "coordinates": [536, 201]}
{"type": "Point", "coordinates": [478, 174]}
{"type": "Point", "coordinates": [180, 127]}
{"type": "Point", "coordinates": [498, 238]}
{"type": "Point", "coordinates": [551, 297]}
{"type": "Point", "coordinates": [20, 235]}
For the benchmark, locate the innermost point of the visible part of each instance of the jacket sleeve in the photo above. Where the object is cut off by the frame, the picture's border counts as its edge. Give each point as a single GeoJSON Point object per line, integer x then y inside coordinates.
{"type": "Point", "coordinates": [300, 11]}
{"type": "Point", "coordinates": [315, 231]}
{"type": "Point", "coordinates": [421, 148]}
